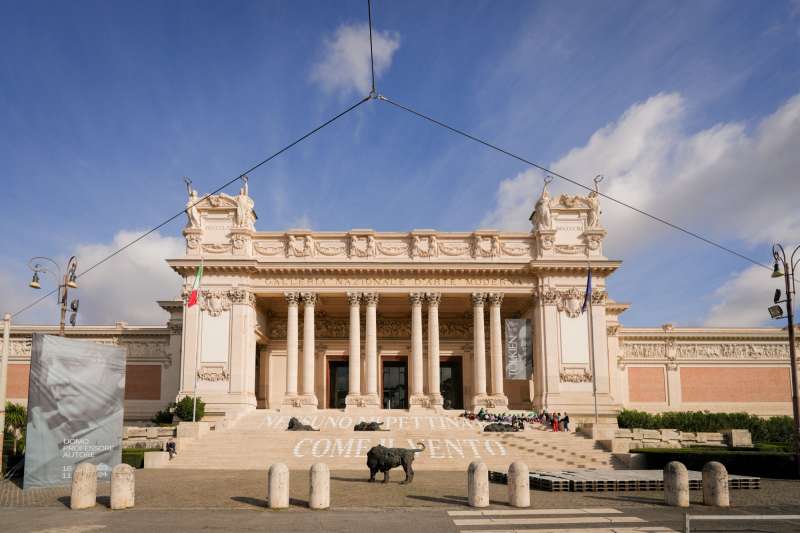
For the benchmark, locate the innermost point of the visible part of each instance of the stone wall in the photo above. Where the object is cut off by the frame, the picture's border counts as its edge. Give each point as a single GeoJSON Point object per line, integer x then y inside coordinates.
{"type": "Point", "coordinates": [146, 437]}
{"type": "Point", "coordinates": [626, 440]}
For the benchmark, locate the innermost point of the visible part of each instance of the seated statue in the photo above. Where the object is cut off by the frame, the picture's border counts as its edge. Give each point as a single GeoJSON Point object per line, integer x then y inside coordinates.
{"type": "Point", "coordinates": [369, 426]}
{"type": "Point", "coordinates": [296, 425]}
{"type": "Point", "coordinates": [499, 427]}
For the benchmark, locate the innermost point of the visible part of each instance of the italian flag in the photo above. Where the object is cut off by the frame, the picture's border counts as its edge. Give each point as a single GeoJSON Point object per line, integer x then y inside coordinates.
{"type": "Point", "coordinates": [196, 286]}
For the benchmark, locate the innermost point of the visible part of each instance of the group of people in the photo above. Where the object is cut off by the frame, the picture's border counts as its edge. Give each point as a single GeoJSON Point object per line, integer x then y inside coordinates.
{"type": "Point", "coordinates": [554, 421]}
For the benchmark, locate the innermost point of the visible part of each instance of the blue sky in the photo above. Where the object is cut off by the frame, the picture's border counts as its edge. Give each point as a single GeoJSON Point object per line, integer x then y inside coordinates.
{"type": "Point", "coordinates": [690, 109]}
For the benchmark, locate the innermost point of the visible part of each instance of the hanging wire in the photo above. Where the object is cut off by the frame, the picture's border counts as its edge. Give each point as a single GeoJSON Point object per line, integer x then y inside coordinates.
{"type": "Point", "coordinates": [215, 191]}
{"type": "Point", "coordinates": [570, 180]}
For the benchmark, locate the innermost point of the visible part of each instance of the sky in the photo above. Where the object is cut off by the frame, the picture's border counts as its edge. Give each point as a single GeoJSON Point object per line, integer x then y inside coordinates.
{"type": "Point", "coordinates": [691, 111]}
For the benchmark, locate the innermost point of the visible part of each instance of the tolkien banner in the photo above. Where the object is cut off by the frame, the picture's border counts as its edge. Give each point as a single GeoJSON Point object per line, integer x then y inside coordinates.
{"type": "Point", "coordinates": [75, 407]}
{"type": "Point", "coordinates": [519, 349]}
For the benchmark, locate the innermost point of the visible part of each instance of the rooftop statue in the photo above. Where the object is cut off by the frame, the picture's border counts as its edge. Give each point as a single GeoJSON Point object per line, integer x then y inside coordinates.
{"type": "Point", "coordinates": [191, 205]}
{"type": "Point", "coordinates": [542, 217]}
{"type": "Point", "coordinates": [593, 218]}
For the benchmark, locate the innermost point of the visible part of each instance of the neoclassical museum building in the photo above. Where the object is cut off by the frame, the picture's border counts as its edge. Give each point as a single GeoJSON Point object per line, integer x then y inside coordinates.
{"type": "Point", "coordinates": [363, 320]}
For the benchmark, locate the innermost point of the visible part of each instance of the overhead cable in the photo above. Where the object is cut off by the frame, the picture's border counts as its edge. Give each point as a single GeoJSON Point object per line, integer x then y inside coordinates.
{"type": "Point", "coordinates": [215, 191]}
{"type": "Point", "coordinates": [570, 180]}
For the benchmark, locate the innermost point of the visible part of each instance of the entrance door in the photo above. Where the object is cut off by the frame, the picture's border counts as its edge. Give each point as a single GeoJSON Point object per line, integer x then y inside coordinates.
{"type": "Point", "coordinates": [395, 385]}
{"type": "Point", "coordinates": [338, 384]}
{"type": "Point", "coordinates": [450, 384]}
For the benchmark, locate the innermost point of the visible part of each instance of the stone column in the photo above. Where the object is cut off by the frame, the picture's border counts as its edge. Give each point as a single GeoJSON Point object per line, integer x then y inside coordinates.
{"type": "Point", "coordinates": [417, 394]}
{"type": "Point", "coordinates": [478, 352]}
{"type": "Point", "coordinates": [371, 397]}
{"type": "Point", "coordinates": [292, 298]}
{"type": "Point", "coordinates": [242, 360]}
{"type": "Point", "coordinates": [354, 361]}
{"type": "Point", "coordinates": [307, 395]}
{"type": "Point", "coordinates": [433, 349]}
{"type": "Point", "coordinates": [496, 348]}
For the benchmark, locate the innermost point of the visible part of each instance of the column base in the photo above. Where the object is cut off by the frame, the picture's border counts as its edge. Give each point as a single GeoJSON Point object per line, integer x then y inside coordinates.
{"type": "Point", "coordinates": [419, 402]}
{"type": "Point", "coordinates": [437, 400]}
{"type": "Point", "coordinates": [356, 402]}
{"type": "Point", "coordinates": [303, 401]}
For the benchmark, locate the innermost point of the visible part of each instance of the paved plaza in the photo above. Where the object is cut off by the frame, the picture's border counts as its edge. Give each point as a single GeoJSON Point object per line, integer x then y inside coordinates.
{"type": "Point", "coordinates": [189, 500]}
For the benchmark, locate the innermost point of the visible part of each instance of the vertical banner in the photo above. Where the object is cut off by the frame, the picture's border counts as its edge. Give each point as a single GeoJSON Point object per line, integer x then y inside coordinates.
{"type": "Point", "coordinates": [75, 409]}
{"type": "Point", "coordinates": [519, 349]}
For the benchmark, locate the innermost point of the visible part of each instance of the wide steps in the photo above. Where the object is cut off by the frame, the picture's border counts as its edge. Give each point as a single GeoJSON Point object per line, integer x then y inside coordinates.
{"type": "Point", "coordinates": [260, 439]}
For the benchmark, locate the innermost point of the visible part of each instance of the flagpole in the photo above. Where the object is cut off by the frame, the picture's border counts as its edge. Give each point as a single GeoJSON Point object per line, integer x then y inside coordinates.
{"type": "Point", "coordinates": [197, 349]}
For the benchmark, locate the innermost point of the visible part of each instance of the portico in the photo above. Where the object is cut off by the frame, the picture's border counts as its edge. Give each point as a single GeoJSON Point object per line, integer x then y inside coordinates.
{"type": "Point", "coordinates": [364, 320]}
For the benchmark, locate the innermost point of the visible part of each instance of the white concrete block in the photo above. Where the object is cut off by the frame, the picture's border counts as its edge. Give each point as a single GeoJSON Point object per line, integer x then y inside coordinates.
{"type": "Point", "coordinates": [156, 459]}
{"type": "Point", "coordinates": [478, 484]}
{"type": "Point", "coordinates": [715, 485]}
{"type": "Point", "coordinates": [676, 484]}
{"type": "Point", "coordinates": [123, 486]}
{"type": "Point", "coordinates": [519, 492]}
{"type": "Point", "coordinates": [320, 487]}
{"type": "Point", "coordinates": [84, 487]}
{"type": "Point", "coordinates": [278, 486]}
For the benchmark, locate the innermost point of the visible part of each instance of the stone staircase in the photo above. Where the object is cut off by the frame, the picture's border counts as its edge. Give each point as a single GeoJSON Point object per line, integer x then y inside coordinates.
{"type": "Point", "coordinates": [260, 438]}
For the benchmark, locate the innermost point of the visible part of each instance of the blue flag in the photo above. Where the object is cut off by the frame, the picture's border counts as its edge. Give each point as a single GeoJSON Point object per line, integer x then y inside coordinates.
{"type": "Point", "coordinates": [588, 298]}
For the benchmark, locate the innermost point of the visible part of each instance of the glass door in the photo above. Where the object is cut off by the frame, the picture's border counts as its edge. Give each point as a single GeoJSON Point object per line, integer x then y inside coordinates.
{"type": "Point", "coordinates": [395, 385]}
{"type": "Point", "coordinates": [338, 384]}
{"type": "Point", "coordinates": [450, 384]}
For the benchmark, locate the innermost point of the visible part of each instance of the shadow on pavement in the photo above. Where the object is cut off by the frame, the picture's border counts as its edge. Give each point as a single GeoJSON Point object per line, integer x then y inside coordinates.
{"type": "Point", "coordinates": [256, 502]}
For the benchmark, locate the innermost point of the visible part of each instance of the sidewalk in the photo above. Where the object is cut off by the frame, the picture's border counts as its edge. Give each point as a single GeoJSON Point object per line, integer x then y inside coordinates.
{"type": "Point", "coordinates": [236, 489]}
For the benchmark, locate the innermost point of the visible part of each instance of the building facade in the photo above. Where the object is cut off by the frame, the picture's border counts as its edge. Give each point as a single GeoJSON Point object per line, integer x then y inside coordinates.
{"type": "Point", "coordinates": [364, 320]}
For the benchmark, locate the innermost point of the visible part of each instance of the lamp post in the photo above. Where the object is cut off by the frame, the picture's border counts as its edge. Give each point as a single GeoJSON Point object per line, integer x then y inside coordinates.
{"type": "Point", "coordinates": [65, 282]}
{"type": "Point", "coordinates": [789, 265]}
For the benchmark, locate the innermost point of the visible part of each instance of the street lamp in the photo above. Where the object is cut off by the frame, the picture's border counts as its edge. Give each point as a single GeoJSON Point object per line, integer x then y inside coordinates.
{"type": "Point", "coordinates": [775, 311]}
{"type": "Point", "coordinates": [68, 281]}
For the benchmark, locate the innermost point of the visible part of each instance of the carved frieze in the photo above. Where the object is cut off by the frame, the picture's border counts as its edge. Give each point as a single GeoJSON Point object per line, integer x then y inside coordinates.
{"type": "Point", "coordinates": [399, 280]}
{"type": "Point", "coordinates": [678, 351]}
{"type": "Point", "coordinates": [387, 328]}
{"type": "Point", "coordinates": [213, 373]}
{"type": "Point", "coordinates": [575, 375]}
{"type": "Point", "coordinates": [214, 302]}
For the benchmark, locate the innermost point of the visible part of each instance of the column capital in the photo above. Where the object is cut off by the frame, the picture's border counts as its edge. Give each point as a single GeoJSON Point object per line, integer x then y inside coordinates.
{"type": "Point", "coordinates": [415, 298]}
{"type": "Point", "coordinates": [433, 298]}
{"type": "Point", "coordinates": [370, 298]}
{"type": "Point", "coordinates": [495, 298]}
{"type": "Point", "coordinates": [354, 298]}
{"type": "Point", "coordinates": [478, 298]}
{"type": "Point", "coordinates": [309, 298]}
{"type": "Point", "coordinates": [292, 298]}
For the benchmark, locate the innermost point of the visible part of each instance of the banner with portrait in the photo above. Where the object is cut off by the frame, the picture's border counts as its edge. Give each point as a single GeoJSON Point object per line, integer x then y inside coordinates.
{"type": "Point", "coordinates": [519, 348]}
{"type": "Point", "coordinates": [75, 409]}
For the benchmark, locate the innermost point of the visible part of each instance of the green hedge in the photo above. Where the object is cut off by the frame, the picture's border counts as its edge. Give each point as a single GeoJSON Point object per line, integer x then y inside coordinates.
{"type": "Point", "coordinates": [777, 429]}
{"type": "Point", "coordinates": [184, 408]}
{"type": "Point", "coordinates": [135, 456]}
{"type": "Point", "coordinates": [738, 461]}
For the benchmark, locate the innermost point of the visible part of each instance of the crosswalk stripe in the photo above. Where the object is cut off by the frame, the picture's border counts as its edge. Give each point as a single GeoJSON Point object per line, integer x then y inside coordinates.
{"type": "Point", "coordinates": [655, 529]}
{"type": "Point", "coordinates": [499, 512]}
{"type": "Point", "coordinates": [548, 520]}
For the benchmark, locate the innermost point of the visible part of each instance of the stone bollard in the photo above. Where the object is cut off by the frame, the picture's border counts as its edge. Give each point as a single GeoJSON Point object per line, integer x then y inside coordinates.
{"type": "Point", "coordinates": [320, 487]}
{"type": "Point", "coordinates": [519, 488]}
{"type": "Point", "coordinates": [278, 487]}
{"type": "Point", "coordinates": [478, 484]}
{"type": "Point", "coordinates": [84, 487]}
{"type": "Point", "coordinates": [123, 486]}
{"type": "Point", "coordinates": [676, 484]}
{"type": "Point", "coordinates": [715, 485]}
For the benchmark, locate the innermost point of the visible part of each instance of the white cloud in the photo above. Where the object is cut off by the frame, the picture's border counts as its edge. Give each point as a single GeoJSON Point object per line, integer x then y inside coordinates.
{"type": "Point", "coordinates": [723, 181]}
{"type": "Point", "coordinates": [727, 182]}
{"type": "Point", "coordinates": [744, 298]}
{"type": "Point", "coordinates": [345, 63]}
{"type": "Point", "coordinates": [127, 286]}
{"type": "Point", "coordinates": [301, 222]}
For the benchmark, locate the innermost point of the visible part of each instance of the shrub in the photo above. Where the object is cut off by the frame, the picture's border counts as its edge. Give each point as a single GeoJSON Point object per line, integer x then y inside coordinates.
{"type": "Point", "coordinates": [184, 408]}
{"type": "Point", "coordinates": [777, 429]}
{"type": "Point", "coordinates": [164, 416]}
{"type": "Point", "coordinates": [14, 432]}
{"type": "Point", "coordinates": [741, 462]}
{"type": "Point", "coordinates": [135, 456]}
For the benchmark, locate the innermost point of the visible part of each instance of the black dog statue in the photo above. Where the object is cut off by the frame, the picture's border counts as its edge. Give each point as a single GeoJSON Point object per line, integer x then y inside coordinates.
{"type": "Point", "coordinates": [382, 459]}
{"type": "Point", "coordinates": [296, 425]}
{"type": "Point", "coordinates": [369, 426]}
